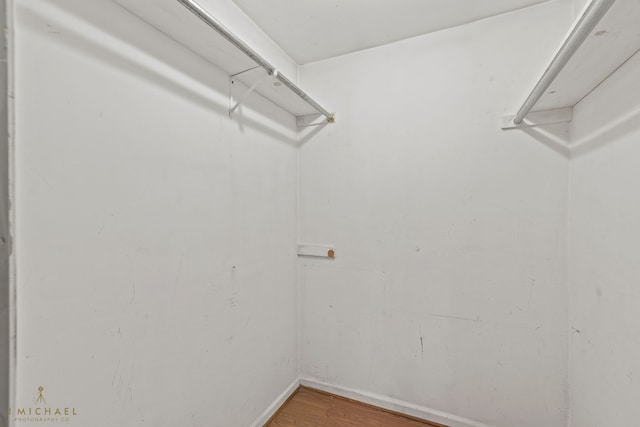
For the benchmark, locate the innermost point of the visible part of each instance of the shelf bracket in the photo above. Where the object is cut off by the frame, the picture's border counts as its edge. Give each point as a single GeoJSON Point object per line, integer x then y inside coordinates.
{"type": "Point", "coordinates": [248, 92]}
{"type": "Point", "coordinates": [314, 120]}
{"type": "Point", "coordinates": [244, 71]}
{"type": "Point", "coordinates": [317, 251]}
{"type": "Point", "coordinates": [538, 118]}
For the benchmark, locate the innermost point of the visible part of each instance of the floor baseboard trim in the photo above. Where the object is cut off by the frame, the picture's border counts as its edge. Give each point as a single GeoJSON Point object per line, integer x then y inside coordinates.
{"type": "Point", "coordinates": [276, 404]}
{"type": "Point", "coordinates": [395, 405]}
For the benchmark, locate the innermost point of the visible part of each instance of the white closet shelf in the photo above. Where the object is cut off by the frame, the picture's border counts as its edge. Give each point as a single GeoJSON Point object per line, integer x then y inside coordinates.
{"type": "Point", "coordinates": [188, 23]}
{"type": "Point", "coordinates": [604, 38]}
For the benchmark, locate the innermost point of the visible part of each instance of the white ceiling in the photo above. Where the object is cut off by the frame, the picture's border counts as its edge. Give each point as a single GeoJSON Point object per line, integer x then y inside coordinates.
{"type": "Point", "coordinates": [310, 30]}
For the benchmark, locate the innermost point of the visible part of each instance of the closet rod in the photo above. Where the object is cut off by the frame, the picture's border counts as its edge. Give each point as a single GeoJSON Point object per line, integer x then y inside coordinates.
{"type": "Point", "coordinates": [594, 13]}
{"type": "Point", "coordinates": [212, 22]}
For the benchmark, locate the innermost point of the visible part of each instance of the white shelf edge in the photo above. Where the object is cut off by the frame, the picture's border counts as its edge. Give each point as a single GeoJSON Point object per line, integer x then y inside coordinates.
{"type": "Point", "coordinates": [538, 118]}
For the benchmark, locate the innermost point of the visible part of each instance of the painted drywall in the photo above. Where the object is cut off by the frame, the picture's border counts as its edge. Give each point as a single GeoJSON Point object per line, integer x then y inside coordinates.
{"type": "Point", "coordinates": [155, 237]}
{"type": "Point", "coordinates": [311, 31]}
{"type": "Point", "coordinates": [604, 263]}
{"type": "Point", "coordinates": [5, 236]}
{"type": "Point", "coordinates": [448, 289]}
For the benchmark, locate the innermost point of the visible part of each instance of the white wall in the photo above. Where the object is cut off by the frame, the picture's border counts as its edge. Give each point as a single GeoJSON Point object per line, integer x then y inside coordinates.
{"type": "Point", "coordinates": [155, 236]}
{"type": "Point", "coordinates": [449, 286]}
{"type": "Point", "coordinates": [604, 261]}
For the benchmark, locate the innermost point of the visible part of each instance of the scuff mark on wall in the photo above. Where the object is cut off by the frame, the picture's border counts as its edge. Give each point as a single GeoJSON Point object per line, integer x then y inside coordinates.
{"type": "Point", "coordinates": [115, 374]}
{"type": "Point", "coordinates": [533, 282]}
{"type": "Point", "coordinates": [466, 319]}
{"type": "Point", "coordinates": [133, 295]}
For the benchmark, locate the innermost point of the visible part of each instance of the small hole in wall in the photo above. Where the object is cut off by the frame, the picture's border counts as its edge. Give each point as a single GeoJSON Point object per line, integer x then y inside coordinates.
{"type": "Point", "coordinates": [331, 253]}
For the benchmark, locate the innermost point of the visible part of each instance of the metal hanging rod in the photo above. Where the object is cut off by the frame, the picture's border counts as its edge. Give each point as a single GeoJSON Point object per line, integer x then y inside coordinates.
{"type": "Point", "coordinates": [212, 22]}
{"type": "Point", "coordinates": [594, 13]}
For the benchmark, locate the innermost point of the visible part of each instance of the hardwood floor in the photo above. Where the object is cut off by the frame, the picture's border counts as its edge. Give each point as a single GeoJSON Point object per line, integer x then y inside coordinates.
{"type": "Point", "coordinates": [313, 408]}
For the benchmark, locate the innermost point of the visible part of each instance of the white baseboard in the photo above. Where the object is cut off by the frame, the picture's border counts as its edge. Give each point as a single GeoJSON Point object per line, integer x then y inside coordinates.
{"type": "Point", "coordinates": [391, 404]}
{"type": "Point", "coordinates": [276, 404]}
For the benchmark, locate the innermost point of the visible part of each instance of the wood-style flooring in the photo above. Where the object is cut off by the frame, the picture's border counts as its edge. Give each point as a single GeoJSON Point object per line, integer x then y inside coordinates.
{"type": "Point", "coordinates": [313, 408]}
